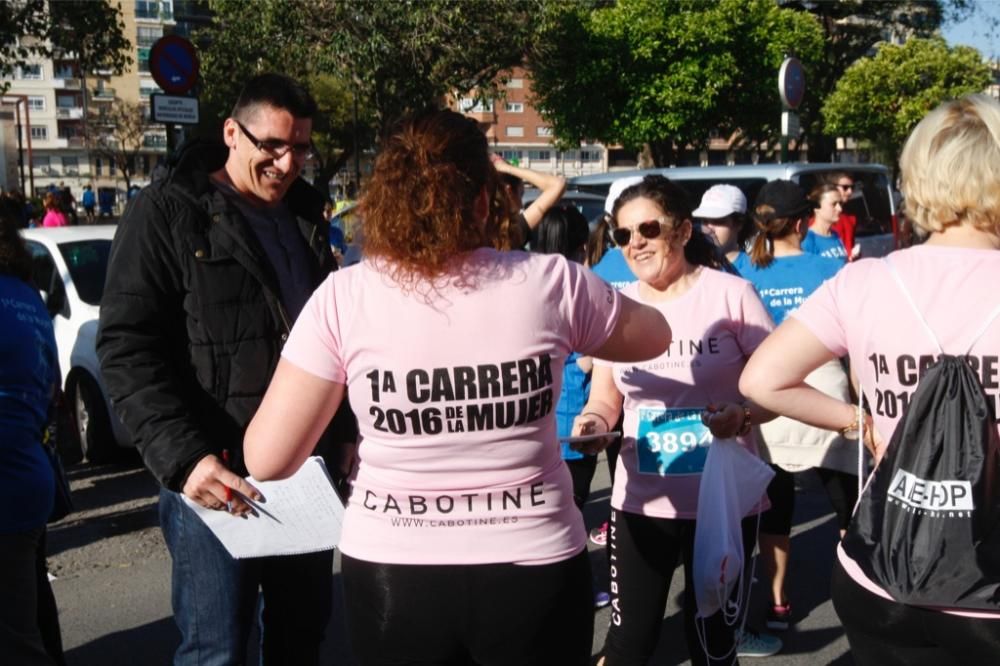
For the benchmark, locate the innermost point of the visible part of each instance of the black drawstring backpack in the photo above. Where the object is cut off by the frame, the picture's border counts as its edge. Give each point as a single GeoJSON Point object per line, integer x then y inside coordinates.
{"type": "Point", "coordinates": [927, 526]}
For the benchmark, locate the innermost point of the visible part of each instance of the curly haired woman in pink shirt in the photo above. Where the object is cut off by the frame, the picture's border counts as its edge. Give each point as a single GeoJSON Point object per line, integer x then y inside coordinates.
{"type": "Point", "coordinates": [453, 354]}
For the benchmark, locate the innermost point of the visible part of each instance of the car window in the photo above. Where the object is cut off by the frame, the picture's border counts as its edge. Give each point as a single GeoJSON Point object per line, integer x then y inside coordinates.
{"type": "Point", "coordinates": [88, 267]}
{"type": "Point", "coordinates": [591, 209]}
{"type": "Point", "coordinates": [43, 268]}
{"type": "Point", "coordinates": [869, 203]}
{"type": "Point", "coordinates": [45, 276]}
{"type": "Point", "coordinates": [696, 188]}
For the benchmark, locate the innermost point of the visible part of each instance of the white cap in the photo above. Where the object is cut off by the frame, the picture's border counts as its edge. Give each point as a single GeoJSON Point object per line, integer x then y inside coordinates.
{"type": "Point", "coordinates": [720, 201]}
{"type": "Point", "coordinates": [617, 187]}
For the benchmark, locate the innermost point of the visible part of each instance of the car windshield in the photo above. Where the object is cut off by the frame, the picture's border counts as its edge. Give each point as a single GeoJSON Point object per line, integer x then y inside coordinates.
{"type": "Point", "coordinates": [869, 202]}
{"type": "Point", "coordinates": [87, 261]}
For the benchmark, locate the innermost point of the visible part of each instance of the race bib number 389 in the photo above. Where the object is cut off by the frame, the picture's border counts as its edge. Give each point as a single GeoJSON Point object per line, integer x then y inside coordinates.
{"type": "Point", "coordinates": [671, 441]}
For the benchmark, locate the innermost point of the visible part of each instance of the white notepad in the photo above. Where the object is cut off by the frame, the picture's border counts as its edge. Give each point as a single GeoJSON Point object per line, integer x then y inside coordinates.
{"type": "Point", "coordinates": [300, 514]}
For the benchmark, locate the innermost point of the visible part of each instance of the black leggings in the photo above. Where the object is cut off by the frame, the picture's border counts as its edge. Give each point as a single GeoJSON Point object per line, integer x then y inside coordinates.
{"type": "Point", "coordinates": [841, 489]}
{"type": "Point", "coordinates": [884, 633]}
{"type": "Point", "coordinates": [453, 614]}
{"type": "Point", "coordinates": [644, 553]}
{"type": "Point", "coordinates": [582, 471]}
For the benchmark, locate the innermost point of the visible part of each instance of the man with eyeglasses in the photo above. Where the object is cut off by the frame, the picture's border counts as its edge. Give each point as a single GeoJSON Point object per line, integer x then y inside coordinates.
{"type": "Point", "coordinates": [210, 267]}
{"type": "Point", "coordinates": [844, 227]}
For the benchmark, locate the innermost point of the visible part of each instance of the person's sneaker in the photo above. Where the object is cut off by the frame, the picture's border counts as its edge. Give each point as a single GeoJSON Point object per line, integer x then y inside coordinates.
{"type": "Point", "coordinates": [779, 617]}
{"type": "Point", "coordinates": [599, 535]}
{"type": "Point", "coordinates": [755, 644]}
{"type": "Point", "coordinates": [601, 599]}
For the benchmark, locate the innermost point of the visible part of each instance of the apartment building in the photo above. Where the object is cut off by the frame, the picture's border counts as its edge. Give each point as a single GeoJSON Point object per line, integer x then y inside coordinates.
{"type": "Point", "coordinates": [518, 133]}
{"type": "Point", "coordinates": [59, 97]}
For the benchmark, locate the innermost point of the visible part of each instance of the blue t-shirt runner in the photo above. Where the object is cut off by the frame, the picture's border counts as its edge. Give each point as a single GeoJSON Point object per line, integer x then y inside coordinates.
{"type": "Point", "coordinates": [788, 281]}
{"type": "Point", "coordinates": [613, 269]}
{"type": "Point", "coordinates": [28, 372]}
{"type": "Point", "coordinates": [830, 246]}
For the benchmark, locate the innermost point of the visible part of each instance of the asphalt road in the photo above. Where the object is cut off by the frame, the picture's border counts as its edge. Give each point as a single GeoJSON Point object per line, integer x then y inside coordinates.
{"type": "Point", "coordinates": [113, 579]}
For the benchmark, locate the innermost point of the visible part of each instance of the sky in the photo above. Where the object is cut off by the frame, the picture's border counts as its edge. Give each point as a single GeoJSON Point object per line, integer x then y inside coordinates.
{"type": "Point", "coordinates": [975, 31]}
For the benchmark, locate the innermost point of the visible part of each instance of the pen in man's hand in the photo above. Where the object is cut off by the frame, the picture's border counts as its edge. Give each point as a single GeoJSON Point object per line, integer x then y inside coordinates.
{"type": "Point", "coordinates": [229, 491]}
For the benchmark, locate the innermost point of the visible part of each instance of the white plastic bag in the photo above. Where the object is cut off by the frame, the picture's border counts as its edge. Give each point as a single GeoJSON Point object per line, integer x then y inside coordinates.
{"type": "Point", "coordinates": [733, 482]}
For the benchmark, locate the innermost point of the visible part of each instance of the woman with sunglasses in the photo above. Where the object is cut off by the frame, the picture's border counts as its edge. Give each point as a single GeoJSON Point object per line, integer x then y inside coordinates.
{"type": "Point", "coordinates": [453, 354]}
{"type": "Point", "coordinates": [821, 238]}
{"type": "Point", "coordinates": [847, 224]}
{"type": "Point", "coordinates": [670, 404]}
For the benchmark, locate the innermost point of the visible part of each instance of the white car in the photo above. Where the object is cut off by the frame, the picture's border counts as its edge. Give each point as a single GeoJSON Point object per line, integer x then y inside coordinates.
{"type": "Point", "coordinates": [69, 268]}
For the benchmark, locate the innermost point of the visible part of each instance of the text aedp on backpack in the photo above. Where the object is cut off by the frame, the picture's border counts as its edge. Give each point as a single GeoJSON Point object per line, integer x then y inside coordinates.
{"type": "Point", "coordinates": [927, 527]}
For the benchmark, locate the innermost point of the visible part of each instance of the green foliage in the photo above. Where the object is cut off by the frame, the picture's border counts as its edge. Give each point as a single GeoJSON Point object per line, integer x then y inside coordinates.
{"type": "Point", "coordinates": [387, 56]}
{"type": "Point", "coordinates": [234, 49]}
{"type": "Point", "coordinates": [666, 73]}
{"type": "Point", "coordinates": [408, 54]}
{"type": "Point", "coordinates": [93, 31]}
{"type": "Point", "coordinates": [880, 99]}
{"type": "Point", "coordinates": [17, 21]}
{"type": "Point", "coordinates": [852, 29]}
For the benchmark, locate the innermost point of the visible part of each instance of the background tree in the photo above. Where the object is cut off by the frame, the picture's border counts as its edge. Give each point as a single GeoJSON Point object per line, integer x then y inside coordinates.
{"type": "Point", "coordinates": [410, 54]}
{"type": "Point", "coordinates": [851, 30]}
{"type": "Point", "coordinates": [234, 50]}
{"type": "Point", "coordinates": [22, 33]}
{"type": "Point", "coordinates": [880, 99]}
{"type": "Point", "coordinates": [384, 57]}
{"type": "Point", "coordinates": [666, 74]}
{"type": "Point", "coordinates": [93, 31]}
{"type": "Point", "coordinates": [117, 134]}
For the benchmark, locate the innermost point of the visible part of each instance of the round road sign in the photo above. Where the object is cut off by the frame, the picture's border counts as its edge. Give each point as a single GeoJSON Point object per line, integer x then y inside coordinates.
{"type": "Point", "coordinates": [173, 63]}
{"type": "Point", "coordinates": [791, 83]}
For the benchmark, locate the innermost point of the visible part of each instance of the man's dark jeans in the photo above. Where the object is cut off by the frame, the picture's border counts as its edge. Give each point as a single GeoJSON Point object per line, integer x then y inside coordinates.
{"type": "Point", "coordinates": [214, 596]}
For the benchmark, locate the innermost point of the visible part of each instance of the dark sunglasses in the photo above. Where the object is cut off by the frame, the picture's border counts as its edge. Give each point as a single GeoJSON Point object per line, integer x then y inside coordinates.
{"type": "Point", "coordinates": [650, 229]}
{"type": "Point", "coordinates": [278, 149]}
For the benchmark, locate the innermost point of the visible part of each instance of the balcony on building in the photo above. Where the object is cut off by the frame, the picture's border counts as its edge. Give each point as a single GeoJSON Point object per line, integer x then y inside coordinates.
{"type": "Point", "coordinates": [154, 10]}
{"type": "Point", "coordinates": [70, 134]}
{"type": "Point", "coordinates": [69, 113]}
{"type": "Point", "coordinates": [102, 94]}
{"type": "Point", "coordinates": [66, 83]}
{"type": "Point", "coordinates": [157, 142]}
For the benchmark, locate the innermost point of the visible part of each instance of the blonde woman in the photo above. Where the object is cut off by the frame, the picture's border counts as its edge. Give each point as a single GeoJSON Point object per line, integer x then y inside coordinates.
{"type": "Point", "coordinates": [950, 169]}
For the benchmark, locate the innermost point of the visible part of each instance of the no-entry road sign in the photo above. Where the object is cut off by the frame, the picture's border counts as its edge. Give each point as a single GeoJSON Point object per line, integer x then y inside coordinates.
{"type": "Point", "coordinates": [173, 62]}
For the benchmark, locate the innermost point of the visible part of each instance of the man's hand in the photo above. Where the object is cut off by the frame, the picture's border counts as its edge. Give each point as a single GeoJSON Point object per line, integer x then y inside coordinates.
{"type": "Point", "coordinates": [207, 484]}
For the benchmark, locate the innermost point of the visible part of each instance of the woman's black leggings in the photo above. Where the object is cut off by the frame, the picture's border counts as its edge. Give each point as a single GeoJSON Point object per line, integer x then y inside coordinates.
{"type": "Point", "coordinates": [460, 614]}
{"type": "Point", "coordinates": [644, 554]}
{"type": "Point", "coordinates": [582, 472]}
{"type": "Point", "coordinates": [884, 633]}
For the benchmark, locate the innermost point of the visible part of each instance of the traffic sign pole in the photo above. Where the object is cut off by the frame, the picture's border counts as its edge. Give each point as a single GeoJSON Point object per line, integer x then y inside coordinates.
{"type": "Point", "coordinates": [792, 88]}
{"type": "Point", "coordinates": [173, 62]}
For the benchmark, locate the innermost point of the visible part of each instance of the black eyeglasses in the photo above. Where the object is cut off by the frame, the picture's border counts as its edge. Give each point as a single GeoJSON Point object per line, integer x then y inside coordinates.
{"type": "Point", "coordinates": [278, 149]}
{"type": "Point", "coordinates": [650, 229]}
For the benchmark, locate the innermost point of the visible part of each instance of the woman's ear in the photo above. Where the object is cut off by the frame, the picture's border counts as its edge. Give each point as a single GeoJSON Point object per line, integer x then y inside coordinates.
{"type": "Point", "coordinates": [684, 231]}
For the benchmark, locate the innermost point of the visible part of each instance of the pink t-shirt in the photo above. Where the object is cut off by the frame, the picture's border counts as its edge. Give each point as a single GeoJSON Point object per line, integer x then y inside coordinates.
{"type": "Point", "coordinates": [863, 313]}
{"type": "Point", "coordinates": [54, 218]}
{"type": "Point", "coordinates": [716, 325]}
{"type": "Point", "coordinates": [455, 390]}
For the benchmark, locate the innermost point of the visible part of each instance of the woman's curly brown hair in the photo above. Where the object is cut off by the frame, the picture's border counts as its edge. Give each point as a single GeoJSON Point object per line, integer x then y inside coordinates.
{"type": "Point", "coordinates": [418, 208]}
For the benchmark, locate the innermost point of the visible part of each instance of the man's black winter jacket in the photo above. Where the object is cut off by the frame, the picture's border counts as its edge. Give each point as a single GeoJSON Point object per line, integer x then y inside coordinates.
{"type": "Point", "coordinates": [191, 324]}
